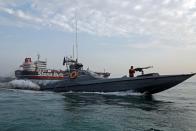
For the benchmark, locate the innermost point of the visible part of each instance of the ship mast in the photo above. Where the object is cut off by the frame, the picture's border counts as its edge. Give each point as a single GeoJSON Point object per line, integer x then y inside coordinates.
{"type": "Point", "coordinates": [76, 41]}
{"type": "Point", "coordinates": [73, 51]}
{"type": "Point", "coordinates": [75, 44]}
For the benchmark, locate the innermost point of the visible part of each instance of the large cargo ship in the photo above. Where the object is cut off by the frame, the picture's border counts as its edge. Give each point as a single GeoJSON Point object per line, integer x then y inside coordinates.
{"type": "Point", "coordinates": [38, 70]}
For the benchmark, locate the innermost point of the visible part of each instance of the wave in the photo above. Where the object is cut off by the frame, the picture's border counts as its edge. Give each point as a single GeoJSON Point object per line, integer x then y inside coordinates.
{"type": "Point", "coordinates": [2, 85]}
{"type": "Point", "coordinates": [23, 84]}
{"type": "Point", "coordinates": [6, 79]}
{"type": "Point", "coordinates": [123, 93]}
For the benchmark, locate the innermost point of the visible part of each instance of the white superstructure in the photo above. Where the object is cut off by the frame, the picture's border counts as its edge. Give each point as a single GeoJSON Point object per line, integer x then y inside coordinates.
{"type": "Point", "coordinates": [29, 65]}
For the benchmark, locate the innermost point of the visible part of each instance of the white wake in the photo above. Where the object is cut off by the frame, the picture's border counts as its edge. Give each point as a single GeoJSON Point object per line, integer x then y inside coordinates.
{"type": "Point", "coordinates": [123, 93]}
{"type": "Point", "coordinates": [23, 84]}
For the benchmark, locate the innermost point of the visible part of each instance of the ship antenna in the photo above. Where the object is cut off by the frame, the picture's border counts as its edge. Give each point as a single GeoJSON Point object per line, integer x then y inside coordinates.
{"type": "Point", "coordinates": [76, 39]}
{"type": "Point", "coordinates": [73, 51]}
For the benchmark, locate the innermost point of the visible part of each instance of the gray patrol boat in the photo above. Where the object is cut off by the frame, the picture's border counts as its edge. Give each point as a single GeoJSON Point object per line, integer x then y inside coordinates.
{"type": "Point", "coordinates": [80, 80]}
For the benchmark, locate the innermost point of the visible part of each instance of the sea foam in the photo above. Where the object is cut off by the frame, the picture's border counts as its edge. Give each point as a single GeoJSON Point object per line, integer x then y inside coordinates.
{"type": "Point", "coordinates": [23, 84]}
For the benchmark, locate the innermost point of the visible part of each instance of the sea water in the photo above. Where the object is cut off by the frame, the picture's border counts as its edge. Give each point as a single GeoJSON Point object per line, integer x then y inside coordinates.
{"type": "Point", "coordinates": [31, 110]}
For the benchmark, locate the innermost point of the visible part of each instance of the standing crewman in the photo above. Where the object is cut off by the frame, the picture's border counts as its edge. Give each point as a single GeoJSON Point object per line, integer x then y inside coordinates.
{"type": "Point", "coordinates": [131, 72]}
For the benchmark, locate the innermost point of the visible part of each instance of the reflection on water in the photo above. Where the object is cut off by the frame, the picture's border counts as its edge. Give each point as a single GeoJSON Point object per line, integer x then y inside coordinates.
{"type": "Point", "coordinates": [144, 102]}
{"type": "Point", "coordinates": [135, 112]}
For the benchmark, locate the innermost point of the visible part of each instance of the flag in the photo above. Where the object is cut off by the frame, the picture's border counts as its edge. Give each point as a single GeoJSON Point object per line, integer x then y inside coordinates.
{"type": "Point", "coordinates": [64, 61]}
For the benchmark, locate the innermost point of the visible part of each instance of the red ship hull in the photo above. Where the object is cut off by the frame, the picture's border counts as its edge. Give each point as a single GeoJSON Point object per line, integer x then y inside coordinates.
{"type": "Point", "coordinates": [36, 75]}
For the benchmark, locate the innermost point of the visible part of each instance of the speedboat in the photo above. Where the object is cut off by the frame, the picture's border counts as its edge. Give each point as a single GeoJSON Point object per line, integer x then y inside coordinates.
{"type": "Point", "coordinates": [80, 80]}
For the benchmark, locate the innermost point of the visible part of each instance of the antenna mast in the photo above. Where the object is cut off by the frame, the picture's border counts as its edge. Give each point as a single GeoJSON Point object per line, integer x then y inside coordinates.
{"type": "Point", "coordinates": [73, 51]}
{"type": "Point", "coordinates": [76, 39]}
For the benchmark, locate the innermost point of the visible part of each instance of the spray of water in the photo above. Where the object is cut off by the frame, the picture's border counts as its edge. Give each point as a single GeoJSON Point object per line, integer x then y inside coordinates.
{"type": "Point", "coordinates": [23, 84]}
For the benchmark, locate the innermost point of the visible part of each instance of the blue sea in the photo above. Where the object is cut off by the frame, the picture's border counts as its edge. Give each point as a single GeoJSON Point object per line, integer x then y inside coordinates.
{"type": "Point", "coordinates": [31, 110]}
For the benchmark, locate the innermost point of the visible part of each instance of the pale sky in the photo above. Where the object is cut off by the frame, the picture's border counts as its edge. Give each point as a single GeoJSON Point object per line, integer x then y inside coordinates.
{"type": "Point", "coordinates": [112, 34]}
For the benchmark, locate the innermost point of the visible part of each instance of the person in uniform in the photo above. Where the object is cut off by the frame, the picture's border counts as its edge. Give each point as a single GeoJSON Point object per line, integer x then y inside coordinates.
{"type": "Point", "coordinates": [131, 72]}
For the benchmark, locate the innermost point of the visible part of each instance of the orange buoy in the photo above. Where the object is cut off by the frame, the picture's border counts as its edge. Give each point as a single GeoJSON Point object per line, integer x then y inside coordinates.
{"type": "Point", "coordinates": [73, 75]}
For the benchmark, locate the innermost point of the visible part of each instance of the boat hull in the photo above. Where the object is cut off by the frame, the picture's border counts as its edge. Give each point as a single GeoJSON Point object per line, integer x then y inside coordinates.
{"type": "Point", "coordinates": [148, 85]}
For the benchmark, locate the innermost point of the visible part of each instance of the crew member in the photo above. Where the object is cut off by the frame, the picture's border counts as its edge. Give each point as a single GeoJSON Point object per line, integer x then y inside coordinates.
{"type": "Point", "coordinates": [131, 72]}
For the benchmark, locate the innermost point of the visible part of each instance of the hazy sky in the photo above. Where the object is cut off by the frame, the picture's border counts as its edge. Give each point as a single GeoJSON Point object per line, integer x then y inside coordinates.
{"type": "Point", "coordinates": [112, 34]}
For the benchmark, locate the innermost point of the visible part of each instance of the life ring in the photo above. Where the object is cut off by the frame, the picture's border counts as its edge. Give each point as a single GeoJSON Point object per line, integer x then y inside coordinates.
{"type": "Point", "coordinates": [73, 75]}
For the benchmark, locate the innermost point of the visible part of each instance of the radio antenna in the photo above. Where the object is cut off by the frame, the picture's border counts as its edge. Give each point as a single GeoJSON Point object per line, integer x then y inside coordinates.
{"type": "Point", "coordinates": [76, 35]}
{"type": "Point", "coordinates": [73, 51]}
